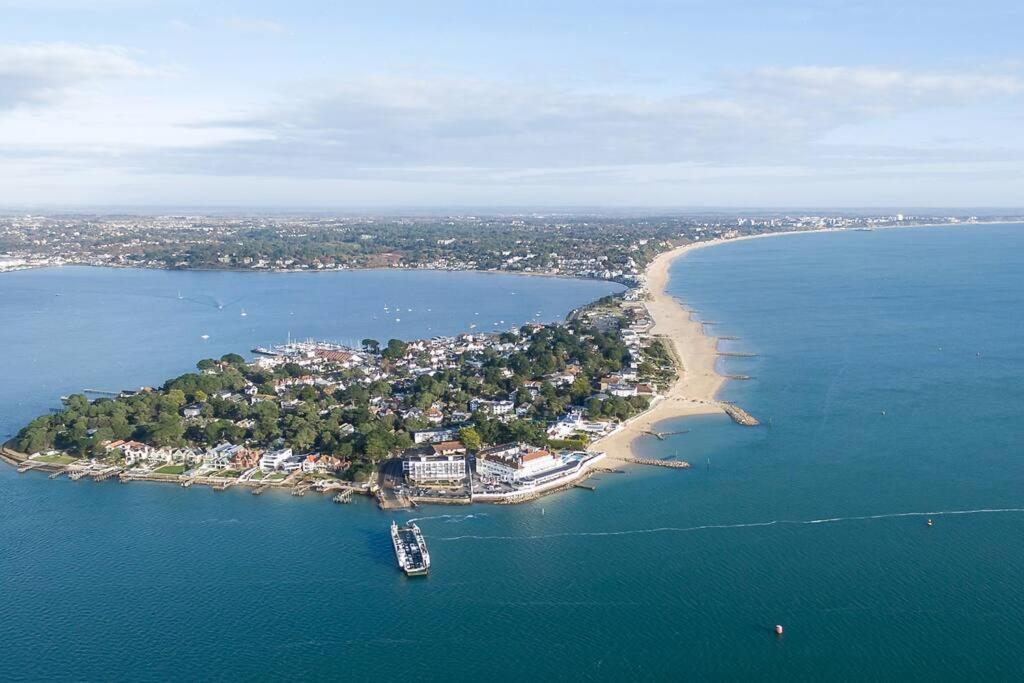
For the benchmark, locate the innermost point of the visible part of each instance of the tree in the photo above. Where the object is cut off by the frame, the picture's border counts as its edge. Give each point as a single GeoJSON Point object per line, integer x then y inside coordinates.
{"type": "Point", "coordinates": [470, 438]}
{"type": "Point", "coordinates": [233, 359]}
{"type": "Point", "coordinates": [396, 349]}
{"type": "Point", "coordinates": [371, 345]}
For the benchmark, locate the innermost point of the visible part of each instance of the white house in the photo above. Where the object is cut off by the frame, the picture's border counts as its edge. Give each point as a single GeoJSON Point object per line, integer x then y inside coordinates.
{"type": "Point", "coordinates": [275, 460]}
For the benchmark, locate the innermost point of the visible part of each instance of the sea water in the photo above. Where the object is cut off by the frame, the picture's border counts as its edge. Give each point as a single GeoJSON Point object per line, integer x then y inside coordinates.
{"type": "Point", "coordinates": [890, 383]}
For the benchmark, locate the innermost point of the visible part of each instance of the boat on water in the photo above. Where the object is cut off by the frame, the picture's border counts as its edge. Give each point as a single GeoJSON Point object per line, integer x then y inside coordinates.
{"type": "Point", "coordinates": [410, 549]}
{"type": "Point", "coordinates": [244, 313]}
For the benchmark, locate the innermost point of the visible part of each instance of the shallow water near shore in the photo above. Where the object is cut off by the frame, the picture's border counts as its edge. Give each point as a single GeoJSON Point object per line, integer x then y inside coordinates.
{"type": "Point", "coordinates": [658, 573]}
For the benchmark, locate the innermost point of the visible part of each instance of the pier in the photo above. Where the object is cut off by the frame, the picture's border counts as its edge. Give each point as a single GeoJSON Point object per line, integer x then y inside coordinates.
{"type": "Point", "coordinates": [581, 485]}
{"type": "Point", "coordinates": [343, 497]}
{"type": "Point", "coordinates": [662, 435]}
{"type": "Point", "coordinates": [107, 473]}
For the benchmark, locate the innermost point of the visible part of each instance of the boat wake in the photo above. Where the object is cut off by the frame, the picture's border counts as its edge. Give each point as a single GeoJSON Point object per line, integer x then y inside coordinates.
{"type": "Point", "coordinates": [449, 518]}
{"type": "Point", "coordinates": [749, 525]}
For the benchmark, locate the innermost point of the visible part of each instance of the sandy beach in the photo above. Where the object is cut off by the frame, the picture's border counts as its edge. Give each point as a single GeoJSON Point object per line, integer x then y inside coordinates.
{"type": "Point", "coordinates": [694, 391]}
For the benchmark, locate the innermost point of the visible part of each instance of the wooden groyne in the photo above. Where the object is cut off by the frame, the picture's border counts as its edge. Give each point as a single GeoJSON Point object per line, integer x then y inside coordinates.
{"type": "Point", "coordinates": [739, 377]}
{"type": "Point", "coordinates": [737, 354]}
{"type": "Point", "coordinates": [675, 464]}
{"type": "Point", "coordinates": [662, 435]}
{"type": "Point", "coordinates": [729, 337]}
{"type": "Point", "coordinates": [739, 416]}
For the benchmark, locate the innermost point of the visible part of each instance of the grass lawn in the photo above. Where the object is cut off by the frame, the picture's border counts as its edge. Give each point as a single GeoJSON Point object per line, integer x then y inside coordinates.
{"type": "Point", "coordinates": [257, 475]}
{"type": "Point", "coordinates": [277, 476]}
{"type": "Point", "coordinates": [170, 469]}
{"type": "Point", "coordinates": [227, 473]}
{"type": "Point", "coordinates": [57, 459]}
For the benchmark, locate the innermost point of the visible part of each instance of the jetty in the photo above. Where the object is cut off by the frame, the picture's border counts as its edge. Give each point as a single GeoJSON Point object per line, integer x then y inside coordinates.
{"type": "Point", "coordinates": [260, 489]}
{"type": "Point", "coordinates": [738, 415]}
{"type": "Point", "coordinates": [729, 337]}
{"type": "Point", "coordinates": [662, 435]}
{"type": "Point", "coordinates": [674, 464]}
{"type": "Point", "coordinates": [739, 377]}
{"type": "Point", "coordinates": [581, 485]}
{"type": "Point", "coordinates": [105, 473]}
{"type": "Point", "coordinates": [30, 465]}
{"type": "Point", "coordinates": [343, 497]}
{"type": "Point", "coordinates": [737, 354]}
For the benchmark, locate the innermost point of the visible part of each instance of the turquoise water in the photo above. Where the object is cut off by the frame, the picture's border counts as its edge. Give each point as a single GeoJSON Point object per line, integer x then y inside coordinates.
{"type": "Point", "coordinates": [659, 573]}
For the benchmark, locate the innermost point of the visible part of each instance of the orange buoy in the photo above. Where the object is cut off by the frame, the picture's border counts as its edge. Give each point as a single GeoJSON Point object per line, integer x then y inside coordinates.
{"type": "Point", "coordinates": [778, 629]}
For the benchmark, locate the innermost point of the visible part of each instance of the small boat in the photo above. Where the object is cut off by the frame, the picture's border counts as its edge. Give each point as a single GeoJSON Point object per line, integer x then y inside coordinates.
{"type": "Point", "coordinates": [243, 314]}
{"type": "Point", "coordinates": [931, 523]}
{"type": "Point", "coordinates": [204, 336]}
{"type": "Point", "coordinates": [778, 629]}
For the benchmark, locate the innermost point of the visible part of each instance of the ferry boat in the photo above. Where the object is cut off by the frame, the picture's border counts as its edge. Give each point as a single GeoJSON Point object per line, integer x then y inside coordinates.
{"type": "Point", "coordinates": [410, 549]}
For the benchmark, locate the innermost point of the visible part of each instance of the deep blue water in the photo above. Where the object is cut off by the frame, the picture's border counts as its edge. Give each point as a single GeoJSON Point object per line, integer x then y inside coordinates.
{"type": "Point", "coordinates": [658, 574]}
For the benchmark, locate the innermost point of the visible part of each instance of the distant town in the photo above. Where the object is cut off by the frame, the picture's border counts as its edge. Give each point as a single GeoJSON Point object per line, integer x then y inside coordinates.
{"type": "Point", "coordinates": [600, 247]}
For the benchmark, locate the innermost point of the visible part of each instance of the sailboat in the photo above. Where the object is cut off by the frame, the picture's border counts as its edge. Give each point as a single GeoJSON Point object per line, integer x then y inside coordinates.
{"type": "Point", "coordinates": [244, 313]}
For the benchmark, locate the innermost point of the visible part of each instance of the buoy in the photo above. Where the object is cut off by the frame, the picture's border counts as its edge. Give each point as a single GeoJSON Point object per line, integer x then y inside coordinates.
{"type": "Point", "coordinates": [778, 629]}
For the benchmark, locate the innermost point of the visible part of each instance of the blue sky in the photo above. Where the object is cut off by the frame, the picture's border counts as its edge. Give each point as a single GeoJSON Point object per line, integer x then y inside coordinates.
{"type": "Point", "coordinates": [399, 104]}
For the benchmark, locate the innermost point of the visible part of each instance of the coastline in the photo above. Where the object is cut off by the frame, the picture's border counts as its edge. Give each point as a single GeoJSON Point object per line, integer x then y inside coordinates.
{"type": "Point", "coordinates": [695, 390]}
{"type": "Point", "coordinates": [696, 386]}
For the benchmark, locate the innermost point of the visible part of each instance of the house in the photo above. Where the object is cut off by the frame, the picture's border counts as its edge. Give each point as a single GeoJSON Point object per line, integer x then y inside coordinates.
{"type": "Point", "coordinates": [193, 410]}
{"type": "Point", "coordinates": [448, 448]}
{"type": "Point", "coordinates": [309, 463]}
{"type": "Point", "coordinates": [434, 435]}
{"type": "Point", "coordinates": [273, 461]}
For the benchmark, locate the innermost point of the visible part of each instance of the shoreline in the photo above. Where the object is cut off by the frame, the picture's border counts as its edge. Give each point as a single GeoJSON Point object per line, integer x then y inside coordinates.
{"type": "Point", "coordinates": [695, 390]}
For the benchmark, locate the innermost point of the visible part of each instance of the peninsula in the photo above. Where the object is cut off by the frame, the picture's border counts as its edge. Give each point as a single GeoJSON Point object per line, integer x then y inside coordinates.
{"type": "Point", "coordinates": [495, 417]}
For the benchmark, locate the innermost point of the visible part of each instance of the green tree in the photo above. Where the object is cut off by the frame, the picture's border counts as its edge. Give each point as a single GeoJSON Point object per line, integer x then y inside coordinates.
{"type": "Point", "coordinates": [470, 438]}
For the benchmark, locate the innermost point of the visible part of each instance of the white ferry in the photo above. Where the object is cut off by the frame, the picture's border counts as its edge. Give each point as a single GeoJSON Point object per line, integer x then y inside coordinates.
{"type": "Point", "coordinates": [410, 549]}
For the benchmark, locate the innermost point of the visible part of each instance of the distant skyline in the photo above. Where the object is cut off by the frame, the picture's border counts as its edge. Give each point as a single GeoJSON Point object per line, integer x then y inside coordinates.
{"type": "Point", "coordinates": [480, 104]}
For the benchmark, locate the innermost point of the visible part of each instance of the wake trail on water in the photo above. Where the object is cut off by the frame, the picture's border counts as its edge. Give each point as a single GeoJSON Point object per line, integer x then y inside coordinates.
{"type": "Point", "coordinates": [450, 518]}
{"type": "Point", "coordinates": [749, 525]}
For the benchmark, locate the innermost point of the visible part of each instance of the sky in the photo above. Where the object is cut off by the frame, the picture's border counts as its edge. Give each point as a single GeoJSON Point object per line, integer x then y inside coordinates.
{"type": "Point", "coordinates": [647, 103]}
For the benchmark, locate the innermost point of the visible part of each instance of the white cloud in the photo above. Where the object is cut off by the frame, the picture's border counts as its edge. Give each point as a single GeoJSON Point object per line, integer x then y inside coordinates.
{"type": "Point", "coordinates": [870, 88]}
{"type": "Point", "coordinates": [37, 73]}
